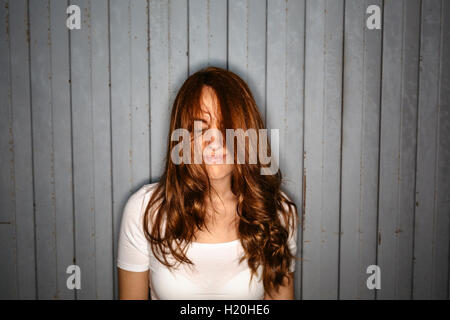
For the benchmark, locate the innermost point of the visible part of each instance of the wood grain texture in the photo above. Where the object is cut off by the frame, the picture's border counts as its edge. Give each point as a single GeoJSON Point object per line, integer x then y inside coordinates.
{"type": "Point", "coordinates": [362, 114]}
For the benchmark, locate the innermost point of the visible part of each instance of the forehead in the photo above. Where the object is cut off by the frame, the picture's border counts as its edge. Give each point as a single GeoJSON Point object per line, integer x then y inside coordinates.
{"type": "Point", "coordinates": [209, 104]}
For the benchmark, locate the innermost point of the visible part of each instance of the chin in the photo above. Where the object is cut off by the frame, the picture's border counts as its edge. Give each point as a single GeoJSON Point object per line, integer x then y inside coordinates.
{"type": "Point", "coordinates": [219, 171]}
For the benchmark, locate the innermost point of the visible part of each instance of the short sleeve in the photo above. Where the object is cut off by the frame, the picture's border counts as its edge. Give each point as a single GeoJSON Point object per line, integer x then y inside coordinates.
{"type": "Point", "coordinates": [292, 243]}
{"type": "Point", "coordinates": [133, 247]}
{"type": "Point", "coordinates": [292, 238]}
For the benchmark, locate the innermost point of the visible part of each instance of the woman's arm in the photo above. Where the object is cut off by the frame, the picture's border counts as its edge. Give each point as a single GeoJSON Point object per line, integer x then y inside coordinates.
{"type": "Point", "coordinates": [285, 292]}
{"type": "Point", "coordinates": [133, 285]}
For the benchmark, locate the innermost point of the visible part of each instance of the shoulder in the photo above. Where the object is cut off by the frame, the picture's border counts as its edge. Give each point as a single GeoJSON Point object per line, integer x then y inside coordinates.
{"type": "Point", "coordinates": [149, 188]}
{"type": "Point", "coordinates": [133, 247]}
{"type": "Point", "coordinates": [137, 198]}
{"type": "Point", "coordinates": [137, 202]}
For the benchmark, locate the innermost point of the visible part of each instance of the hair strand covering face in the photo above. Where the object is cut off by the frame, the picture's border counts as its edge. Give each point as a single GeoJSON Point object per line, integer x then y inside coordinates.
{"type": "Point", "coordinates": [178, 202]}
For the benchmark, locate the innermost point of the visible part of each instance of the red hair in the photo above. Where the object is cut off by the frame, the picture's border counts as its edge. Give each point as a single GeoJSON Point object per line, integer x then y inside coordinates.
{"type": "Point", "coordinates": [178, 201]}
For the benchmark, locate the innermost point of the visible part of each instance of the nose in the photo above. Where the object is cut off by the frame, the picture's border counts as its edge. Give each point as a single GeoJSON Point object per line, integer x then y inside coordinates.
{"type": "Point", "coordinates": [214, 142]}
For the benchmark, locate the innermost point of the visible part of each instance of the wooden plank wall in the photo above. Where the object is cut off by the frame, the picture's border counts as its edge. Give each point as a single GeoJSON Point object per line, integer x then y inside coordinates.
{"type": "Point", "coordinates": [363, 118]}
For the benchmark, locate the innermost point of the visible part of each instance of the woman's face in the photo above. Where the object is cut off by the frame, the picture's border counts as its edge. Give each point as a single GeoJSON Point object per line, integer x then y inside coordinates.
{"type": "Point", "coordinates": [212, 145]}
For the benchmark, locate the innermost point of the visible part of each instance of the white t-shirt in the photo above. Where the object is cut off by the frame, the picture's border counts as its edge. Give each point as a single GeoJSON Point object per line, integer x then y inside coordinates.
{"type": "Point", "coordinates": [217, 273]}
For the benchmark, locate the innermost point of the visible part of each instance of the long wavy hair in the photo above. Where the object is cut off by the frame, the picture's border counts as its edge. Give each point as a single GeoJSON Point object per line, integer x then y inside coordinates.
{"type": "Point", "coordinates": [177, 203]}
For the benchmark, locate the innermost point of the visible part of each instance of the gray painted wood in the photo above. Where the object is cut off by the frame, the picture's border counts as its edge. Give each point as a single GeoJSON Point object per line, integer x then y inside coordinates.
{"type": "Point", "coordinates": [129, 105]}
{"type": "Point", "coordinates": [284, 104]}
{"type": "Point", "coordinates": [168, 69]}
{"type": "Point", "coordinates": [207, 34]}
{"type": "Point", "coordinates": [397, 147]}
{"type": "Point", "coordinates": [178, 54]}
{"type": "Point", "coordinates": [43, 155]}
{"type": "Point", "coordinates": [83, 152]}
{"type": "Point", "coordinates": [8, 251]}
{"type": "Point", "coordinates": [430, 256]}
{"type": "Point", "coordinates": [50, 101]}
{"type": "Point", "coordinates": [23, 193]}
{"type": "Point", "coordinates": [247, 46]}
{"type": "Point", "coordinates": [62, 146]}
{"type": "Point", "coordinates": [363, 116]}
{"type": "Point", "coordinates": [443, 201]}
{"type": "Point", "coordinates": [139, 99]}
{"type": "Point", "coordinates": [120, 115]}
{"type": "Point", "coordinates": [7, 205]}
{"type": "Point", "coordinates": [159, 84]}
{"type": "Point", "coordinates": [101, 140]}
{"type": "Point", "coordinates": [91, 145]}
{"type": "Point", "coordinates": [442, 198]}
{"type": "Point", "coordinates": [360, 137]}
{"type": "Point", "coordinates": [323, 106]}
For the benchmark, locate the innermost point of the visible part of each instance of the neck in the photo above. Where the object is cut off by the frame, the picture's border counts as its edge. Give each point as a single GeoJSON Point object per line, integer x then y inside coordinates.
{"type": "Point", "coordinates": [222, 188]}
{"type": "Point", "coordinates": [222, 199]}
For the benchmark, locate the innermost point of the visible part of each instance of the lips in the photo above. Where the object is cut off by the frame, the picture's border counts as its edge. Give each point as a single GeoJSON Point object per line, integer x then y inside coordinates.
{"type": "Point", "coordinates": [210, 159]}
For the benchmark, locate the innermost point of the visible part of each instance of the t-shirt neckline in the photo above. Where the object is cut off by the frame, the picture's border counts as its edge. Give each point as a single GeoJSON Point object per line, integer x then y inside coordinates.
{"type": "Point", "coordinates": [215, 243]}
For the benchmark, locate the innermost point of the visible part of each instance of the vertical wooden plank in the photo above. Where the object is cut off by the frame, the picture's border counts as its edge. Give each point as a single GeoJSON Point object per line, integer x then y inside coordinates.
{"type": "Point", "coordinates": [256, 43]}
{"type": "Point", "coordinates": [360, 150]}
{"type": "Point", "coordinates": [101, 143]}
{"type": "Point", "coordinates": [431, 249]}
{"type": "Point", "coordinates": [178, 53]}
{"type": "Point", "coordinates": [62, 146]}
{"type": "Point", "coordinates": [198, 35]}
{"type": "Point", "coordinates": [83, 151]}
{"type": "Point", "coordinates": [238, 38]}
{"type": "Point", "coordinates": [120, 113]}
{"type": "Point", "coordinates": [315, 59]}
{"type": "Point", "coordinates": [207, 34]}
{"type": "Point", "coordinates": [129, 104]}
{"type": "Point", "coordinates": [323, 105]}
{"type": "Point", "coordinates": [247, 46]}
{"type": "Point", "coordinates": [8, 267]}
{"type": "Point", "coordinates": [91, 135]}
{"type": "Point", "coordinates": [169, 69]}
{"type": "Point", "coordinates": [285, 47]}
{"type": "Point", "coordinates": [217, 36]}
{"type": "Point", "coordinates": [408, 148]}
{"type": "Point", "coordinates": [92, 151]}
{"type": "Point", "coordinates": [276, 72]}
{"type": "Point", "coordinates": [43, 153]}
{"type": "Point", "coordinates": [397, 147]}
{"type": "Point", "coordinates": [294, 111]}
{"type": "Point", "coordinates": [8, 289]}
{"type": "Point", "coordinates": [442, 237]}
{"type": "Point", "coordinates": [19, 35]}
{"type": "Point", "coordinates": [443, 198]}
{"type": "Point", "coordinates": [332, 148]}
{"type": "Point", "coordinates": [139, 97]}
{"type": "Point", "coordinates": [426, 254]}
{"type": "Point", "coordinates": [159, 85]}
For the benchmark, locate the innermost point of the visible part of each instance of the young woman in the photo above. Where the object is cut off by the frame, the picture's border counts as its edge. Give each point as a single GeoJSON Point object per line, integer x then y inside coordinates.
{"type": "Point", "coordinates": [217, 229]}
